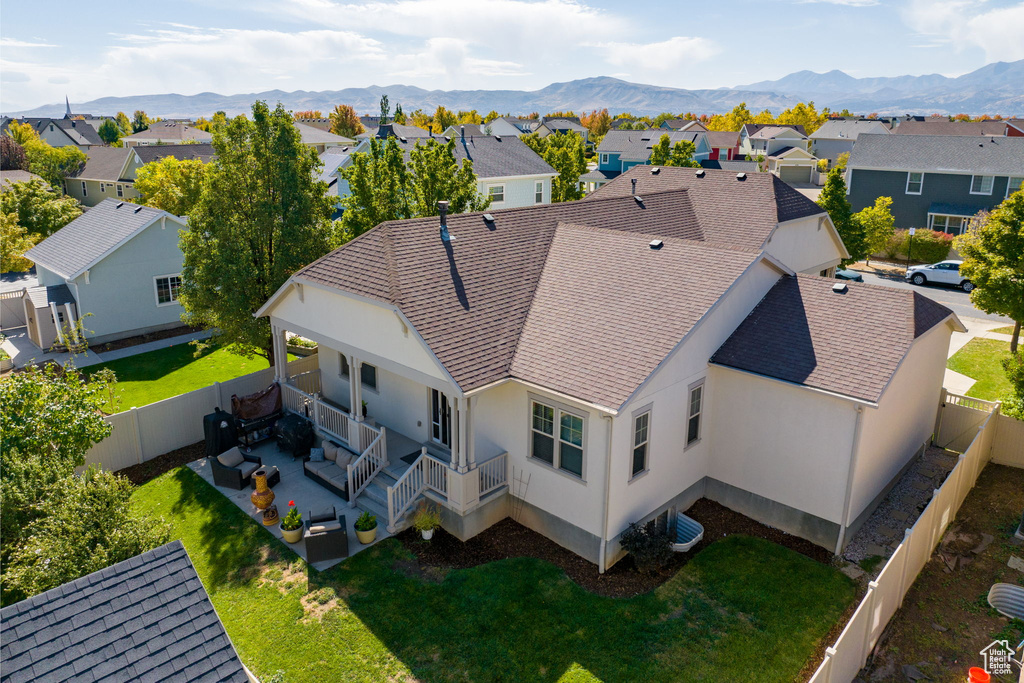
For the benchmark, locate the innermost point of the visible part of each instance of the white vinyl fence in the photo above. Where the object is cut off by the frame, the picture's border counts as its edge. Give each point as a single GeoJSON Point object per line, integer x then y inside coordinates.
{"type": "Point", "coordinates": [991, 437]}
{"type": "Point", "coordinates": [141, 434]}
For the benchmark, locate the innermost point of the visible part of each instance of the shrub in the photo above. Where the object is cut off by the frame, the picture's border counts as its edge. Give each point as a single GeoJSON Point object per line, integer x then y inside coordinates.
{"type": "Point", "coordinates": [650, 548]}
{"type": "Point", "coordinates": [302, 342]}
{"type": "Point", "coordinates": [427, 518]}
{"type": "Point", "coordinates": [1014, 403]}
{"type": "Point", "coordinates": [930, 246]}
{"type": "Point", "coordinates": [366, 522]}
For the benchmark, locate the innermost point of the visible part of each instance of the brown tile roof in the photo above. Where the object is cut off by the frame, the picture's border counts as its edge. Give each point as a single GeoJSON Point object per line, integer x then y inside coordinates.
{"type": "Point", "coordinates": [723, 138]}
{"type": "Point", "coordinates": [470, 299]}
{"type": "Point", "coordinates": [848, 343]}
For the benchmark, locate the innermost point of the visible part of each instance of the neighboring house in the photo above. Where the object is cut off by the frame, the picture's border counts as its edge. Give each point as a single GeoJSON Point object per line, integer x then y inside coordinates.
{"type": "Point", "coordinates": [8, 178]}
{"type": "Point", "coordinates": [61, 132]}
{"type": "Point", "coordinates": [110, 171]}
{"type": "Point", "coordinates": [935, 181]}
{"type": "Point", "coordinates": [510, 126]}
{"type": "Point", "coordinates": [611, 360]}
{"type": "Point", "coordinates": [337, 187]}
{"type": "Point", "coordinates": [617, 124]}
{"type": "Point", "coordinates": [118, 263]}
{"type": "Point", "coordinates": [944, 127]}
{"type": "Point", "coordinates": [145, 619]}
{"type": "Point", "coordinates": [837, 136]}
{"type": "Point", "coordinates": [724, 144]}
{"type": "Point", "coordinates": [466, 130]}
{"type": "Point", "coordinates": [322, 124]}
{"type": "Point", "coordinates": [1015, 128]}
{"type": "Point", "coordinates": [621, 150]}
{"type": "Point", "coordinates": [396, 129]}
{"type": "Point", "coordinates": [562, 126]}
{"type": "Point", "coordinates": [735, 166]}
{"type": "Point", "coordinates": [167, 133]}
{"type": "Point", "coordinates": [792, 164]}
{"type": "Point", "coordinates": [507, 171]}
{"type": "Point", "coordinates": [765, 139]}
{"type": "Point", "coordinates": [683, 124]}
{"type": "Point", "coordinates": [321, 140]}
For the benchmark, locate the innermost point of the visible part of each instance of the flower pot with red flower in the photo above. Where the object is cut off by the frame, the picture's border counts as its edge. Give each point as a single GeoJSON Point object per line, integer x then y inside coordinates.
{"type": "Point", "coordinates": [291, 525]}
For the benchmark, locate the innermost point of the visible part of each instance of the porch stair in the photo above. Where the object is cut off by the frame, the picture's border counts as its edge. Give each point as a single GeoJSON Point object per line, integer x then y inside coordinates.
{"type": "Point", "coordinates": [374, 498]}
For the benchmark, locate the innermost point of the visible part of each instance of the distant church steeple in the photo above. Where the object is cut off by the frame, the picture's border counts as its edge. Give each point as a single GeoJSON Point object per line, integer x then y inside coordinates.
{"type": "Point", "coordinates": [67, 112]}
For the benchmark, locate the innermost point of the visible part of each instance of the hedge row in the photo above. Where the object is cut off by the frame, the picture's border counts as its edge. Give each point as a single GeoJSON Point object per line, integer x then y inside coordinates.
{"type": "Point", "coordinates": [929, 246]}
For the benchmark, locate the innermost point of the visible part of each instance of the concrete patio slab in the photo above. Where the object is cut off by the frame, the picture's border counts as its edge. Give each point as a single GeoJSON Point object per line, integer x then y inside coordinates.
{"type": "Point", "coordinates": [957, 383]}
{"type": "Point", "coordinates": [23, 352]}
{"type": "Point", "coordinates": [307, 494]}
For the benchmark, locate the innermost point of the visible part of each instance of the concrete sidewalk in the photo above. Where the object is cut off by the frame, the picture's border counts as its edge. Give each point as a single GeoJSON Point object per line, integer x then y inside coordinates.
{"type": "Point", "coordinates": [959, 383]}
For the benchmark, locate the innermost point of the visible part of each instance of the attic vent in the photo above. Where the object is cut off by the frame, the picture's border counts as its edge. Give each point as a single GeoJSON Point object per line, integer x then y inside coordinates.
{"type": "Point", "coordinates": [839, 288]}
{"type": "Point", "coordinates": [447, 138]}
{"type": "Point", "coordinates": [498, 138]}
{"type": "Point", "coordinates": [137, 210]}
{"type": "Point", "coordinates": [489, 218]}
{"type": "Point", "coordinates": [656, 170]}
{"type": "Point", "coordinates": [119, 205]}
{"type": "Point", "coordinates": [402, 138]}
{"type": "Point", "coordinates": [700, 173]}
{"type": "Point", "coordinates": [656, 244]}
{"type": "Point", "coordinates": [741, 176]}
{"type": "Point", "coordinates": [639, 199]}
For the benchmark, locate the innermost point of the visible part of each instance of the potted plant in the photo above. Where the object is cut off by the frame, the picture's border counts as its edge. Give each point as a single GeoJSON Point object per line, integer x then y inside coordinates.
{"type": "Point", "coordinates": [427, 518]}
{"type": "Point", "coordinates": [364, 408]}
{"type": "Point", "coordinates": [291, 525]}
{"type": "Point", "coordinates": [366, 528]}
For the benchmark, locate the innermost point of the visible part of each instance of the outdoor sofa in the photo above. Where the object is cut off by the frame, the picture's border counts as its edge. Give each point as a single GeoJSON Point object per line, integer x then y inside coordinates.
{"type": "Point", "coordinates": [332, 472]}
{"type": "Point", "coordinates": [233, 468]}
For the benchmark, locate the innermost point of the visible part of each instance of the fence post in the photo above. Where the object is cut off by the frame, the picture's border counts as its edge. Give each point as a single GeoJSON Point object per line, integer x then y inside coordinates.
{"type": "Point", "coordinates": [138, 433]}
{"type": "Point", "coordinates": [870, 600]}
{"type": "Point", "coordinates": [906, 563]}
{"type": "Point", "coordinates": [219, 398]}
{"type": "Point", "coordinates": [830, 653]}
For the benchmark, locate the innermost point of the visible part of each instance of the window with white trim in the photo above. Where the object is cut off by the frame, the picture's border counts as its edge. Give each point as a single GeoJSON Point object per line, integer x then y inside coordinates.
{"type": "Point", "coordinates": [915, 182]}
{"type": "Point", "coordinates": [982, 184]}
{"type": "Point", "coordinates": [368, 375]}
{"type": "Point", "coordinates": [496, 193]}
{"type": "Point", "coordinates": [1014, 184]}
{"type": "Point", "coordinates": [641, 437]}
{"type": "Point", "coordinates": [954, 225]}
{"type": "Point", "coordinates": [120, 190]}
{"type": "Point", "coordinates": [557, 437]}
{"type": "Point", "coordinates": [694, 412]}
{"type": "Point", "coordinates": [604, 158]}
{"type": "Point", "coordinates": [342, 365]}
{"type": "Point", "coordinates": [538, 192]}
{"type": "Point", "coordinates": [167, 288]}
{"type": "Point", "coordinates": [85, 189]}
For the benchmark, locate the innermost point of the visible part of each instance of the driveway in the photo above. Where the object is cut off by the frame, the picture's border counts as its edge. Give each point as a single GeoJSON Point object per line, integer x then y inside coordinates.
{"type": "Point", "coordinates": [809, 190]}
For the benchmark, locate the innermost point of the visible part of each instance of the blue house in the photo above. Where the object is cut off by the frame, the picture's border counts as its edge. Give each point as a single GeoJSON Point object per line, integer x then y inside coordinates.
{"type": "Point", "coordinates": [935, 181]}
{"type": "Point", "coordinates": [621, 150]}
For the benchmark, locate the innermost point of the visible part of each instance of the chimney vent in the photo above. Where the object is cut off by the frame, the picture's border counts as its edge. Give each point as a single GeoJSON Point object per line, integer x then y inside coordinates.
{"type": "Point", "coordinates": [462, 132]}
{"type": "Point", "coordinates": [633, 183]}
{"type": "Point", "coordinates": [442, 209]}
{"type": "Point", "coordinates": [839, 288]}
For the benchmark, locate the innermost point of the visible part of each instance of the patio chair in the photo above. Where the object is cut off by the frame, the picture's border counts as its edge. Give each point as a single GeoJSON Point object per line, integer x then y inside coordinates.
{"type": "Point", "coordinates": [233, 468]}
{"type": "Point", "coordinates": [326, 536]}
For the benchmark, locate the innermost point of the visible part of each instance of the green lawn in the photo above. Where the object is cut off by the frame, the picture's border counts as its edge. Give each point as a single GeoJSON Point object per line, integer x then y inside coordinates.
{"type": "Point", "coordinates": [982, 360]}
{"type": "Point", "coordinates": [743, 610]}
{"type": "Point", "coordinates": [160, 374]}
{"type": "Point", "coordinates": [1003, 330]}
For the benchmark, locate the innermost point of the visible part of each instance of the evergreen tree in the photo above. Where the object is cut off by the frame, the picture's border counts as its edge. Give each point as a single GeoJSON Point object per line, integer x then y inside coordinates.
{"type": "Point", "coordinates": [109, 132]}
{"type": "Point", "coordinates": [833, 200]}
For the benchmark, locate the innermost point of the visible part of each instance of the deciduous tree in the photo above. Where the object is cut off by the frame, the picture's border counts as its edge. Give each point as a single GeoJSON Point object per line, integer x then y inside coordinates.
{"type": "Point", "coordinates": [442, 119]}
{"type": "Point", "coordinates": [385, 109]}
{"type": "Point", "coordinates": [566, 154]}
{"type": "Point", "coordinates": [993, 255]}
{"type": "Point", "coordinates": [12, 155]}
{"type": "Point", "coordinates": [38, 208]}
{"type": "Point", "coordinates": [261, 216]}
{"type": "Point", "coordinates": [53, 164]}
{"type": "Point", "coordinates": [680, 154]}
{"type": "Point", "coordinates": [379, 185]}
{"type": "Point", "coordinates": [124, 123]}
{"type": "Point", "coordinates": [140, 121]}
{"type": "Point", "coordinates": [399, 115]}
{"type": "Point", "coordinates": [345, 122]}
{"type": "Point", "coordinates": [171, 184]}
{"type": "Point", "coordinates": [437, 176]}
{"type": "Point", "coordinates": [14, 242]}
{"type": "Point", "coordinates": [491, 115]}
{"type": "Point", "coordinates": [308, 114]}
{"type": "Point", "coordinates": [878, 225]}
{"type": "Point", "coordinates": [833, 200]}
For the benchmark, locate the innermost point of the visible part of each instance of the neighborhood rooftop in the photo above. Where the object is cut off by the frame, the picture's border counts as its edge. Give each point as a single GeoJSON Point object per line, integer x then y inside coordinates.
{"type": "Point", "coordinates": [944, 127]}
{"type": "Point", "coordinates": [78, 245]}
{"type": "Point", "coordinates": [202, 151]}
{"type": "Point", "coordinates": [806, 332]}
{"type": "Point", "coordinates": [492, 156]}
{"type": "Point", "coordinates": [637, 144]}
{"type": "Point", "coordinates": [847, 129]}
{"type": "Point", "coordinates": [147, 618]}
{"type": "Point", "coordinates": [940, 153]}
{"type": "Point", "coordinates": [104, 163]}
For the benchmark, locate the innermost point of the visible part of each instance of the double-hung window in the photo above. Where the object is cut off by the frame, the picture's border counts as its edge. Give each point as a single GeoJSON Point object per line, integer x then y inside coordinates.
{"type": "Point", "coordinates": [915, 182]}
{"type": "Point", "coordinates": [368, 375]}
{"type": "Point", "coordinates": [695, 410]}
{"type": "Point", "coordinates": [85, 189]}
{"type": "Point", "coordinates": [120, 190]}
{"type": "Point", "coordinates": [167, 287]}
{"type": "Point", "coordinates": [496, 193]}
{"type": "Point", "coordinates": [982, 184]}
{"type": "Point", "coordinates": [641, 438]}
{"type": "Point", "coordinates": [538, 192]}
{"type": "Point", "coordinates": [1013, 185]}
{"type": "Point", "coordinates": [604, 159]}
{"type": "Point", "coordinates": [557, 437]}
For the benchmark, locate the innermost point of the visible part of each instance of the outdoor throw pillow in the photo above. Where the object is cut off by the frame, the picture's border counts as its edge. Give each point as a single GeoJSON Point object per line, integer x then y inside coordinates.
{"type": "Point", "coordinates": [316, 455]}
{"type": "Point", "coordinates": [330, 451]}
{"type": "Point", "coordinates": [231, 458]}
{"type": "Point", "coordinates": [344, 459]}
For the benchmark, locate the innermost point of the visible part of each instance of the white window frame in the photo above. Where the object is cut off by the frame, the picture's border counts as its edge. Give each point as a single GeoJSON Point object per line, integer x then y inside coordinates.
{"type": "Point", "coordinates": [645, 412]}
{"type": "Point", "coordinates": [604, 158]}
{"type": "Point", "coordinates": [375, 387]}
{"type": "Point", "coordinates": [558, 410]}
{"type": "Point", "coordinates": [1010, 188]}
{"type": "Point", "coordinates": [538, 192]}
{"type": "Point", "coordinates": [920, 186]}
{"type": "Point", "coordinates": [120, 190]}
{"type": "Point", "coordinates": [437, 396]}
{"type": "Point", "coordinates": [991, 184]}
{"type": "Point", "coordinates": [945, 219]}
{"type": "Point", "coordinates": [698, 385]}
{"type": "Point", "coordinates": [344, 371]}
{"type": "Point", "coordinates": [171, 291]}
{"type": "Point", "coordinates": [85, 189]}
{"type": "Point", "coordinates": [491, 193]}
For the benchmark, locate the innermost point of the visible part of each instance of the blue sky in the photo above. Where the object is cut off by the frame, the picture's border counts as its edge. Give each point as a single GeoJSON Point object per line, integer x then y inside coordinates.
{"type": "Point", "coordinates": [106, 48]}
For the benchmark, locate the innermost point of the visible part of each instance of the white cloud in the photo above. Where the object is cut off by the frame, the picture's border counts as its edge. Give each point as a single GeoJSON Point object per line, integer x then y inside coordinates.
{"type": "Point", "coordinates": [966, 24]}
{"type": "Point", "coordinates": [12, 42]}
{"type": "Point", "coordinates": [848, 3]}
{"type": "Point", "coordinates": [668, 55]}
{"type": "Point", "coordinates": [449, 59]}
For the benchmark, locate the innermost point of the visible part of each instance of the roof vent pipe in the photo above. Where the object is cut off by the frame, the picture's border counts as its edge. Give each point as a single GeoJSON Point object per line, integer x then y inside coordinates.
{"type": "Point", "coordinates": [442, 208]}
{"type": "Point", "coordinates": [462, 132]}
{"type": "Point", "coordinates": [633, 182]}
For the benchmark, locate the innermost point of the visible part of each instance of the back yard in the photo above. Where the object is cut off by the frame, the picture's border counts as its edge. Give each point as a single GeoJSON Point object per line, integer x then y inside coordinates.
{"type": "Point", "coordinates": [982, 360]}
{"type": "Point", "coordinates": [743, 609]}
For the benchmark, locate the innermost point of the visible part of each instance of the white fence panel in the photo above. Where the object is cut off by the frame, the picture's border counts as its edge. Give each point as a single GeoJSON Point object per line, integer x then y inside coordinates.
{"type": "Point", "coordinates": [175, 422]}
{"type": "Point", "coordinates": [849, 648]}
{"type": "Point", "coordinates": [1008, 442]}
{"type": "Point", "coordinates": [958, 425]}
{"type": "Point", "coordinates": [888, 595]}
{"type": "Point", "coordinates": [121, 448]}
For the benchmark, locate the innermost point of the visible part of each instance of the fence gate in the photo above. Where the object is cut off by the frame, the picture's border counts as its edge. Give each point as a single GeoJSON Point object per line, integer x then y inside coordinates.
{"type": "Point", "coordinates": [959, 419]}
{"type": "Point", "coordinates": [12, 310]}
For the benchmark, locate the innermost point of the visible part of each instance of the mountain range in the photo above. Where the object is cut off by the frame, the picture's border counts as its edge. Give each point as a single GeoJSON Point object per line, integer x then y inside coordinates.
{"type": "Point", "coordinates": [994, 88]}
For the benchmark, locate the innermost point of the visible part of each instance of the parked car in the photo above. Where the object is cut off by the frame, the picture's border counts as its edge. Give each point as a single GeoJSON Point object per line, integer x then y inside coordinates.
{"type": "Point", "coordinates": [847, 274]}
{"type": "Point", "coordinates": [944, 272]}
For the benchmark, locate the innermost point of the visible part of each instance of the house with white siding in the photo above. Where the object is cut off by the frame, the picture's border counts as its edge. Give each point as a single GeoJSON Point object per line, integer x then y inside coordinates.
{"type": "Point", "coordinates": [612, 360]}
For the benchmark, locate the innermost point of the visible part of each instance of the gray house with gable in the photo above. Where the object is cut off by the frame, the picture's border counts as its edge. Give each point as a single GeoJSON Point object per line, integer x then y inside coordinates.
{"type": "Point", "coordinates": [935, 181]}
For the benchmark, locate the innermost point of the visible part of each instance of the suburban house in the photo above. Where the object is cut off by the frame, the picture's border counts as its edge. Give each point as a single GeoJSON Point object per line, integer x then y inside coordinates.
{"type": "Point", "coordinates": [739, 166]}
{"type": "Point", "coordinates": [337, 187]}
{"type": "Point", "coordinates": [945, 127]}
{"type": "Point", "coordinates": [621, 150]}
{"type": "Point", "coordinates": [758, 139]}
{"type": "Point", "coordinates": [110, 171]}
{"type": "Point", "coordinates": [320, 139]}
{"type": "Point", "coordinates": [167, 133]}
{"type": "Point", "coordinates": [466, 130]}
{"type": "Point", "coordinates": [396, 129]}
{"type": "Point", "coordinates": [117, 267]}
{"type": "Point", "coordinates": [935, 181]}
{"type": "Point", "coordinates": [522, 359]}
{"type": "Point", "coordinates": [553, 126]}
{"type": "Point", "coordinates": [61, 132]}
{"type": "Point", "coordinates": [511, 126]}
{"type": "Point", "coordinates": [837, 136]}
{"type": "Point", "coordinates": [507, 171]}
{"type": "Point", "coordinates": [683, 124]}
{"type": "Point", "coordinates": [618, 123]}
{"type": "Point", "coordinates": [8, 178]}
{"type": "Point", "coordinates": [322, 124]}
{"type": "Point", "coordinates": [145, 619]}
{"type": "Point", "coordinates": [792, 164]}
{"type": "Point", "coordinates": [724, 144]}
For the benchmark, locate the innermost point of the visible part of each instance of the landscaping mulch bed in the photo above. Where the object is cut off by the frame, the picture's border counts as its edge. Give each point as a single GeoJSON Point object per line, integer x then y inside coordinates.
{"type": "Point", "coordinates": [151, 469]}
{"type": "Point", "coordinates": [508, 539]}
{"type": "Point", "coordinates": [144, 338]}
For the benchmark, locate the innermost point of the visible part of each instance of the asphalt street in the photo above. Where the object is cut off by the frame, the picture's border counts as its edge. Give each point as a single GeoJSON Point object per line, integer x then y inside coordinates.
{"type": "Point", "coordinates": [952, 297]}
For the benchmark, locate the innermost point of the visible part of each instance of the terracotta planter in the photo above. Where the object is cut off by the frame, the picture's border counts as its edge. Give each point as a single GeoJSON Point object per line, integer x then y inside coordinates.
{"type": "Point", "coordinates": [366, 537]}
{"type": "Point", "coordinates": [263, 496]}
{"type": "Point", "coordinates": [292, 535]}
{"type": "Point", "coordinates": [427, 534]}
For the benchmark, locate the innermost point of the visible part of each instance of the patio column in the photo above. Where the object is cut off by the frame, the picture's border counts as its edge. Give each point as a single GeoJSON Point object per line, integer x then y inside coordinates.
{"type": "Point", "coordinates": [355, 383]}
{"type": "Point", "coordinates": [460, 432]}
{"type": "Point", "coordinates": [280, 349]}
{"type": "Point", "coordinates": [470, 432]}
{"type": "Point", "coordinates": [455, 433]}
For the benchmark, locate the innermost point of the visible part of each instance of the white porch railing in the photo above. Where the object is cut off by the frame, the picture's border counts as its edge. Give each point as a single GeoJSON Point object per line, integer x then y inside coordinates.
{"type": "Point", "coordinates": [493, 474]}
{"type": "Point", "coordinates": [425, 473]}
{"type": "Point", "coordinates": [332, 420]}
{"type": "Point", "coordinates": [362, 471]}
{"type": "Point", "coordinates": [308, 382]}
{"type": "Point", "coordinates": [296, 400]}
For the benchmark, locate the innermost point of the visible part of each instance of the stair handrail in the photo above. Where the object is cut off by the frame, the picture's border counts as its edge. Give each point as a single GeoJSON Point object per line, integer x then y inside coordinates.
{"type": "Point", "coordinates": [362, 471]}
{"type": "Point", "coordinates": [407, 489]}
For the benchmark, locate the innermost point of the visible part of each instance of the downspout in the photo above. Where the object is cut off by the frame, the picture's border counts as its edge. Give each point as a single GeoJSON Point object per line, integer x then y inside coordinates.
{"type": "Point", "coordinates": [607, 491]}
{"type": "Point", "coordinates": [849, 479]}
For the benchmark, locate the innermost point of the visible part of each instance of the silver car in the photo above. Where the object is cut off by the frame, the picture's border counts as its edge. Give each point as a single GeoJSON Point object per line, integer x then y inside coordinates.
{"type": "Point", "coordinates": [943, 272]}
